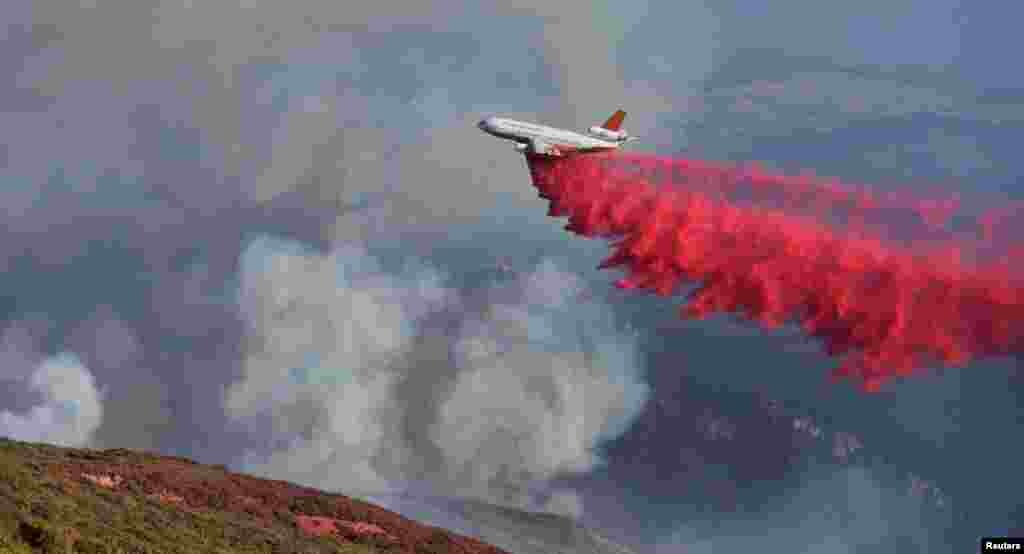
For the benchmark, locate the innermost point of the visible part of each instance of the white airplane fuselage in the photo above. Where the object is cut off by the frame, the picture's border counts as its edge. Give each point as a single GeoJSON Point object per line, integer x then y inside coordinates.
{"type": "Point", "coordinates": [544, 140]}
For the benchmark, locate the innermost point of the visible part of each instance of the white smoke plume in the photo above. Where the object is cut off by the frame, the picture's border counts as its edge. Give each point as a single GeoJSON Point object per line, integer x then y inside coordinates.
{"type": "Point", "coordinates": [565, 502]}
{"type": "Point", "coordinates": [377, 379]}
{"type": "Point", "coordinates": [71, 409]}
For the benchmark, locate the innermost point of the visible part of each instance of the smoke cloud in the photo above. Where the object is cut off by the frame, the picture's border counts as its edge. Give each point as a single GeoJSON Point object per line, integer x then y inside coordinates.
{"type": "Point", "coordinates": [71, 407]}
{"type": "Point", "coordinates": [489, 393]}
{"type": "Point", "coordinates": [565, 502]}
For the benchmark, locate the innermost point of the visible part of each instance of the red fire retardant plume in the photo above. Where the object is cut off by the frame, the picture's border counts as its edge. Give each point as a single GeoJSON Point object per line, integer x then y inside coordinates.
{"type": "Point", "coordinates": [887, 282]}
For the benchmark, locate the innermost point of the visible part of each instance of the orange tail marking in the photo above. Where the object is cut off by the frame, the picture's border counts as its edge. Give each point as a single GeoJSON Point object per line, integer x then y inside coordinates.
{"type": "Point", "coordinates": [615, 121]}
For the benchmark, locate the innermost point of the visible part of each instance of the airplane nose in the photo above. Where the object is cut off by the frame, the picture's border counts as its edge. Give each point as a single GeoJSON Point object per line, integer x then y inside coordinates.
{"type": "Point", "coordinates": [486, 124]}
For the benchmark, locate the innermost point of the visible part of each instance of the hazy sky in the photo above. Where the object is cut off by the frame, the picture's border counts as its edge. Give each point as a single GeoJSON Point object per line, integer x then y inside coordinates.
{"type": "Point", "coordinates": [268, 234]}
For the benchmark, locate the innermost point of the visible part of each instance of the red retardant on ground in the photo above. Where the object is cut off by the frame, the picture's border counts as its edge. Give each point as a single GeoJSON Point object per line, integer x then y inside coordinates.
{"type": "Point", "coordinates": [885, 280]}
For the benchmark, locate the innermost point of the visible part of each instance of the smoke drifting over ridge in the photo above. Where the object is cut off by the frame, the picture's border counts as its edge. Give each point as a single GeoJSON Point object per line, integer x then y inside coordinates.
{"type": "Point", "coordinates": [398, 379]}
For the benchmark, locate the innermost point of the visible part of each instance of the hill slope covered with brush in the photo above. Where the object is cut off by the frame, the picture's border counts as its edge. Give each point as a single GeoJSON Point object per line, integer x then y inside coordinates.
{"type": "Point", "coordinates": [63, 500]}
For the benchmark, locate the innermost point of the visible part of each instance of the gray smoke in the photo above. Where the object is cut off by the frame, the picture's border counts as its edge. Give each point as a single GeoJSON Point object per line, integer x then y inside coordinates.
{"type": "Point", "coordinates": [396, 378]}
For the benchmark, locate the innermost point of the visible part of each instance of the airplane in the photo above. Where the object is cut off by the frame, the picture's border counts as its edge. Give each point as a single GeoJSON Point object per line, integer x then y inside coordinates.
{"type": "Point", "coordinates": [549, 141]}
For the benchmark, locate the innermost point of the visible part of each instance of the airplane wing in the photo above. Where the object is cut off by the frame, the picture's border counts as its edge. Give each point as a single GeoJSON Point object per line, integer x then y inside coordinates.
{"type": "Point", "coordinates": [546, 148]}
{"type": "Point", "coordinates": [559, 150]}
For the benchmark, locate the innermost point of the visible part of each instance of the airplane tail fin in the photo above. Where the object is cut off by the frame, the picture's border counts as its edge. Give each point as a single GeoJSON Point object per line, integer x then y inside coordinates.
{"type": "Point", "coordinates": [615, 121]}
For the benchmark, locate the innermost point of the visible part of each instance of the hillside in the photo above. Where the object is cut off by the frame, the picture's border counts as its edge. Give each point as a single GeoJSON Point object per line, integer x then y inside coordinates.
{"type": "Point", "coordinates": [517, 531]}
{"type": "Point", "coordinates": [62, 500]}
